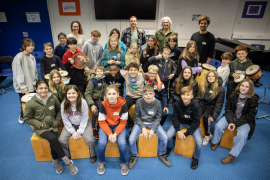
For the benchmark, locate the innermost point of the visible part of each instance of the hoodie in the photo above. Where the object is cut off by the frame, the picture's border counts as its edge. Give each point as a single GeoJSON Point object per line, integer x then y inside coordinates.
{"type": "Point", "coordinates": [93, 51]}
{"type": "Point", "coordinates": [189, 114]}
{"type": "Point", "coordinates": [118, 80]}
{"type": "Point", "coordinates": [148, 113]}
{"type": "Point", "coordinates": [113, 114]}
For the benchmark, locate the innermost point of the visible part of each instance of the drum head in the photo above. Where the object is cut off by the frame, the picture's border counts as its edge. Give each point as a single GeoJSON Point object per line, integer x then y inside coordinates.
{"type": "Point", "coordinates": [242, 76]}
{"type": "Point", "coordinates": [27, 97]}
{"type": "Point", "coordinates": [90, 71]}
{"type": "Point", "coordinates": [80, 61]}
{"type": "Point", "coordinates": [63, 73]}
{"type": "Point", "coordinates": [66, 81]}
{"type": "Point", "coordinates": [47, 76]}
{"type": "Point", "coordinates": [252, 69]}
{"type": "Point", "coordinates": [209, 67]}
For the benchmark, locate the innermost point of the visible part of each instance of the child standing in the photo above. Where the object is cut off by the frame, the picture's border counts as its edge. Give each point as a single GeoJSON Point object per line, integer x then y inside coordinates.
{"type": "Point", "coordinates": [50, 62]}
{"type": "Point", "coordinates": [113, 113]}
{"type": "Point", "coordinates": [148, 115]}
{"type": "Point", "coordinates": [57, 86]}
{"type": "Point", "coordinates": [114, 77]}
{"type": "Point", "coordinates": [61, 48]}
{"type": "Point", "coordinates": [94, 94]}
{"type": "Point", "coordinates": [133, 56]}
{"type": "Point", "coordinates": [74, 111]}
{"type": "Point", "coordinates": [93, 50]}
{"type": "Point", "coordinates": [186, 114]}
{"type": "Point", "coordinates": [43, 112]}
{"type": "Point", "coordinates": [24, 71]}
{"type": "Point", "coordinates": [224, 70]}
{"type": "Point", "coordinates": [113, 54]}
{"type": "Point", "coordinates": [175, 51]}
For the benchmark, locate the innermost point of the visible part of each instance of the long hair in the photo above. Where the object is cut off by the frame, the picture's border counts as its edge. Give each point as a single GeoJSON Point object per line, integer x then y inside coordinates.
{"type": "Point", "coordinates": [179, 83]}
{"type": "Point", "coordinates": [67, 105]}
{"type": "Point", "coordinates": [51, 83]}
{"type": "Point", "coordinates": [214, 87]}
{"type": "Point", "coordinates": [185, 54]}
{"type": "Point", "coordinates": [156, 44]}
{"type": "Point", "coordinates": [131, 46]}
{"type": "Point", "coordinates": [80, 26]}
{"type": "Point", "coordinates": [251, 91]}
{"type": "Point", "coordinates": [109, 47]}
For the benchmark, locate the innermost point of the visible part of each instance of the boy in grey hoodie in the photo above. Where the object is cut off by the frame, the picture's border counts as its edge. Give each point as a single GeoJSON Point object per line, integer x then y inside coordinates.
{"type": "Point", "coordinates": [93, 50]}
{"type": "Point", "coordinates": [148, 114]}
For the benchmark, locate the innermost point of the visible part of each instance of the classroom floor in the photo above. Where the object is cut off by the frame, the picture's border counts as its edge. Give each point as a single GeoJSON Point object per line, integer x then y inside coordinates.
{"type": "Point", "coordinates": [18, 161]}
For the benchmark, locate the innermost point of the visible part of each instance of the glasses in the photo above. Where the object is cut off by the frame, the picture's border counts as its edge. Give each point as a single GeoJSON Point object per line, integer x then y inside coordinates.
{"type": "Point", "coordinates": [152, 73]}
{"type": "Point", "coordinates": [148, 94]}
{"type": "Point", "coordinates": [40, 88]}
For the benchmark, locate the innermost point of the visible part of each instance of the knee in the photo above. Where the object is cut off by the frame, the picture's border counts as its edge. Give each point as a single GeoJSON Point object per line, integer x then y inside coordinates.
{"type": "Point", "coordinates": [121, 143]}
{"type": "Point", "coordinates": [53, 140]}
{"type": "Point", "coordinates": [242, 135]}
{"type": "Point", "coordinates": [89, 140]}
{"type": "Point", "coordinates": [218, 127]}
{"type": "Point", "coordinates": [132, 140]}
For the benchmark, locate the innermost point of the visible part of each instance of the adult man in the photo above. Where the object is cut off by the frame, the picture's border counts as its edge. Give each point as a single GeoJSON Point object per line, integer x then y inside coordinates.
{"type": "Point", "coordinates": [205, 40]}
{"type": "Point", "coordinates": [133, 34]}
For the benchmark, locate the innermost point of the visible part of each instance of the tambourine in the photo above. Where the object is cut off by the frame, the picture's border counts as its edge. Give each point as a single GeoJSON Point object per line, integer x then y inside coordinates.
{"type": "Point", "coordinates": [80, 61]}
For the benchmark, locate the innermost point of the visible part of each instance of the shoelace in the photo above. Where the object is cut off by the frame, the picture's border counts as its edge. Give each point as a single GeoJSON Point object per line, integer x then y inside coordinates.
{"type": "Point", "coordinates": [165, 158]}
{"type": "Point", "coordinates": [132, 160]}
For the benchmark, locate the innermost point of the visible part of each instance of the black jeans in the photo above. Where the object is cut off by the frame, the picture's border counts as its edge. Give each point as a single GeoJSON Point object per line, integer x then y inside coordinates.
{"type": "Point", "coordinates": [56, 148]}
{"type": "Point", "coordinates": [130, 101]}
{"type": "Point", "coordinates": [206, 112]}
{"type": "Point", "coordinates": [20, 96]}
{"type": "Point", "coordinates": [230, 89]}
{"type": "Point", "coordinates": [94, 116]}
{"type": "Point", "coordinates": [80, 87]}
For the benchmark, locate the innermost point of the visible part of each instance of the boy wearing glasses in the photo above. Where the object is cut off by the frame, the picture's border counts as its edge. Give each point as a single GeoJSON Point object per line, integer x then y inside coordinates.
{"type": "Point", "coordinates": [148, 115]}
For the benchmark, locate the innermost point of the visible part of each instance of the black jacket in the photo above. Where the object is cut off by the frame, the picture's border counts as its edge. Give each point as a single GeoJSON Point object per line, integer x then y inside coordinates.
{"type": "Point", "coordinates": [193, 63]}
{"type": "Point", "coordinates": [249, 112]}
{"type": "Point", "coordinates": [175, 97]}
{"type": "Point", "coordinates": [76, 75]}
{"type": "Point", "coordinates": [217, 102]}
{"type": "Point", "coordinates": [175, 53]}
{"type": "Point", "coordinates": [118, 80]}
{"type": "Point", "coordinates": [144, 61]}
{"type": "Point", "coordinates": [190, 115]}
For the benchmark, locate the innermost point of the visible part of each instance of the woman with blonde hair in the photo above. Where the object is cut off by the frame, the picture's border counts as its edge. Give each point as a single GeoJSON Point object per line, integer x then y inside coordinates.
{"type": "Point", "coordinates": [57, 85]}
{"type": "Point", "coordinates": [77, 33]}
{"type": "Point", "coordinates": [211, 99]}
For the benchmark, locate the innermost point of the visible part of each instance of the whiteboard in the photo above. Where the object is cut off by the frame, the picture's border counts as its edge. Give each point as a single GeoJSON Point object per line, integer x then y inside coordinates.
{"type": "Point", "coordinates": [221, 12]}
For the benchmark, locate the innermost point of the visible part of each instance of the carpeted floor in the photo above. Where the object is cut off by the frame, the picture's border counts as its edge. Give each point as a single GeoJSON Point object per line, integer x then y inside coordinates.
{"type": "Point", "coordinates": [18, 161]}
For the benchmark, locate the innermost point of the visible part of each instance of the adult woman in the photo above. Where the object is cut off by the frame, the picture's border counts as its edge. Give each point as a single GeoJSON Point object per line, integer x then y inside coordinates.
{"type": "Point", "coordinates": [77, 33]}
{"type": "Point", "coordinates": [116, 32]}
{"type": "Point", "coordinates": [164, 33]}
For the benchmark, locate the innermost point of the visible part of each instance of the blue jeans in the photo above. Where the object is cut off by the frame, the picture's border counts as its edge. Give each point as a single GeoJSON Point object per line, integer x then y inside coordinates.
{"type": "Point", "coordinates": [136, 131]}
{"type": "Point", "coordinates": [238, 141]}
{"type": "Point", "coordinates": [197, 137]}
{"type": "Point", "coordinates": [121, 143]}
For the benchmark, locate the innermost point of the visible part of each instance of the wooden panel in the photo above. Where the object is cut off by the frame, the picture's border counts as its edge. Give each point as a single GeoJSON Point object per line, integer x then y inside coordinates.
{"type": "Point", "coordinates": [185, 147]}
{"type": "Point", "coordinates": [147, 147]}
{"type": "Point", "coordinates": [227, 138]}
{"type": "Point", "coordinates": [112, 150]}
{"type": "Point", "coordinates": [41, 148]}
{"type": "Point", "coordinates": [131, 111]}
{"type": "Point", "coordinates": [78, 148]}
{"type": "Point", "coordinates": [202, 127]}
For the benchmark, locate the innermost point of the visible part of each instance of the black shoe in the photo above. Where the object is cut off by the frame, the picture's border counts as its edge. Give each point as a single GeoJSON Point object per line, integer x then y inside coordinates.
{"type": "Point", "coordinates": [95, 133]}
{"type": "Point", "coordinates": [194, 163]}
{"type": "Point", "coordinates": [93, 159]}
{"type": "Point", "coordinates": [168, 152]}
{"type": "Point", "coordinates": [130, 129]}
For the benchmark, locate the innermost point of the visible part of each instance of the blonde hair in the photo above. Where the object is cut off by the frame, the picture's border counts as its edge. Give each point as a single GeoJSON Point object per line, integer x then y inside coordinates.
{"type": "Point", "coordinates": [185, 54]}
{"type": "Point", "coordinates": [131, 46]}
{"type": "Point", "coordinates": [109, 48]}
{"type": "Point", "coordinates": [51, 83]}
{"type": "Point", "coordinates": [179, 83]}
{"type": "Point", "coordinates": [251, 91]}
{"type": "Point", "coordinates": [186, 89]}
{"type": "Point", "coordinates": [166, 49]}
{"type": "Point", "coordinates": [111, 86]}
{"type": "Point", "coordinates": [153, 67]}
{"type": "Point", "coordinates": [148, 88]}
{"type": "Point", "coordinates": [214, 87]}
{"type": "Point", "coordinates": [99, 67]}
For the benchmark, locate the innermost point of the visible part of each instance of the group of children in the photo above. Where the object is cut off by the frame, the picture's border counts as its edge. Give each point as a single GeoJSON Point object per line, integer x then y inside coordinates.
{"type": "Point", "coordinates": [147, 78]}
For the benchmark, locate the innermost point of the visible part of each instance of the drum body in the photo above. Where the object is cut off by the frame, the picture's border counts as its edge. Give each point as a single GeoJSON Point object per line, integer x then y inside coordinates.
{"type": "Point", "coordinates": [202, 75]}
{"type": "Point", "coordinates": [257, 75]}
{"type": "Point", "coordinates": [26, 98]}
{"type": "Point", "coordinates": [254, 72]}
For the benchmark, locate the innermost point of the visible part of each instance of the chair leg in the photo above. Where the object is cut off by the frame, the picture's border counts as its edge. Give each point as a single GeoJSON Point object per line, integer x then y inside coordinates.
{"type": "Point", "coordinates": [2, 89]}
{"type": "Point", "coordinates": [265, 116]}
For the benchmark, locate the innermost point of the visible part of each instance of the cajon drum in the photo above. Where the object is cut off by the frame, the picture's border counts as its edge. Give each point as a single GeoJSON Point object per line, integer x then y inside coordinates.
{"type": "Point", "coordinates": [41, 148]}
{"type": "Point", "coordinates": [185, 147]}
{"type": "Point", "coordinates": [90, 116]}
{"type": "Point", "coordinates": [112, 150]}
{"type": "Point", "coordinates": [131, 112]}
{"type": "Point", "coordinates": [202, 127]}
{"type": "Point", "coordinates": [147, 147]}
{"type": "Point", "coordinates": [61, 126]}
{"type": "Point", "coordinates": [227, 138]}
{"type": "Point", "coordinates": [78, 148]}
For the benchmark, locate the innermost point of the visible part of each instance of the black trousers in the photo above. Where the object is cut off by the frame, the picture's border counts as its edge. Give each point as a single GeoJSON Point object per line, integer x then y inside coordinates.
{"type": "Point", "coordinates": [130, 101]}
{"type": "Point", "coordinates": [207, 112]}
{"type": "Point", "coordinates": [80, 87]}
{"type": "Point", "coordinates": [94, 116]}
{"type": "Point", "coordinates": [56, 148]}
{"type": "Point", "coordinates": [230, 89]}
{"type": "Point", "coordinates": [20, 96]}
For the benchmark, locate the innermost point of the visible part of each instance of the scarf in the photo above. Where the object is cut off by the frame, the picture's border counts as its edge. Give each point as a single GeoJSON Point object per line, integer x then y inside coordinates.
{"type": "Point", "coordinates": [132, 85]}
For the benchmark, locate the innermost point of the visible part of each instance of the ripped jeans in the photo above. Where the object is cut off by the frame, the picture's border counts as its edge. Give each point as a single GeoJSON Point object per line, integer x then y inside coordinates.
{"type": "Point", "coordinates": [197, 137]}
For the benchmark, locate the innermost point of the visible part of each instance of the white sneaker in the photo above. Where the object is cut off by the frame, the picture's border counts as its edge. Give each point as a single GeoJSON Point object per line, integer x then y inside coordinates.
{"type": "Point", "coordinates": [206, 139]}
{"type": "Point", "coordinates": [21, 120]}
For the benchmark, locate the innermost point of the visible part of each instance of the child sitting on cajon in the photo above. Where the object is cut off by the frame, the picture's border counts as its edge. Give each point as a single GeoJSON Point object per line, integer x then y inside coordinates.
{"type": "Point", "coordinates": [148, 114]}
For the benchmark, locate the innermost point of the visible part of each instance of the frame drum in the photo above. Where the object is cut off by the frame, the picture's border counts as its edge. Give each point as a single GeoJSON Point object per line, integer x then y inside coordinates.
{"type": "Point", "coordinates": [242, 77]}
{"type": "Point", "coordinates": [80, 61]}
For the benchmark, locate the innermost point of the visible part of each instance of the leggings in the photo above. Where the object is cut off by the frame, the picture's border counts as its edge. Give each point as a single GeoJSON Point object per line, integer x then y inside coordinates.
{"type": "Point", "coordinates": [130, 101]}
{"type": "Point", "coordinates": [56, 148]}
{"type": "Point", "coordinates": [207, 112]}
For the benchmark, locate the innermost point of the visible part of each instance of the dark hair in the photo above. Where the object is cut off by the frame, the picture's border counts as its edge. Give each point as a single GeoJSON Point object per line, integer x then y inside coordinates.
{"type": "Point", "coordinates": [67, 105]}
{"type": "Point", "coordinates": [63, 34]}
{"type": "Point", "coordinates": [113, 64]}
{"type": "Point", "coordinates": [227, 55]}
{"type": "Point", "coordinates": [41, 81]}
{"type": "Point", "coordinates": [71, 40]}
{"type": "Point", "coordinates": [132, 65]}
{"type": "Point", "coordinates": [116, 30]}
{"type": "Point", "coordinates": [156, 45]}
{"type": "Point", "coordinates": [26, 42]}
{"type": "Point", "coordinates": [80, 26]}
{"type": "Point", "coordinates": [47, 44]}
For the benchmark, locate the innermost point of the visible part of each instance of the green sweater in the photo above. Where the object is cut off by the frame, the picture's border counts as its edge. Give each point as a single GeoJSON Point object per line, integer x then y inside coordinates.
{"type": "Point", "coordinates": [234, 65]}
{"type": "Point", "coordinates": [107, 56]}
{"type": "Point", "coordinates": [163, 39]}
{"type": "Point", "coordinates": [37, 113]}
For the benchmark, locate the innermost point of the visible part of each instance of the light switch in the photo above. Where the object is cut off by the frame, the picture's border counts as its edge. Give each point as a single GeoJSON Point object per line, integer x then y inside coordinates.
{"type": "Point", "coordinates": [25, 34]}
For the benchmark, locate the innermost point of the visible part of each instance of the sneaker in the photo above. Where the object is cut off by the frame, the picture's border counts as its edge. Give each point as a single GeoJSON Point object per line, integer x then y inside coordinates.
{"type": "Point", "coordinates": [21, 120]}
{"type": "Point", "coordinates": [168, 152]}
{"type": "Point", "coordinates": [100, 168]}
{"type": "Point", "coordinates": [206, 139]}
{"type": "Point", "coordinates": [93, 159]}
{"type": "Point", "coordinates": [194, 163]}
{"type": "Point", "coordinates": [164, 159]}
{"type": "Point", "coordinates": [72, 169]}
{"type": "Point", "coordinates": [132, 162]}
{"type": "Point", "coordinates": [95, 133]}
{"type": "Point", "coordinates": [124, 169]}
{"type": "Point", "coordinates": [58, 167]}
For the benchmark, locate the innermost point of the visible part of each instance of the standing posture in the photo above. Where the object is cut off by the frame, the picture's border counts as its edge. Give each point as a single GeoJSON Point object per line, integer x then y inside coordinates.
{"type": "Point", "coordinates": [224, 70]}
{"type": "Point", "coordinates": [77, 33]}
{"type": "Point", "coordinates": [56, 85]}
{"type": "Point", "coordinates": [116, 32]}
{"type": "Point", "coordinates": [175, 51]}
{"type": "Point", "coordinates": [61, 48]}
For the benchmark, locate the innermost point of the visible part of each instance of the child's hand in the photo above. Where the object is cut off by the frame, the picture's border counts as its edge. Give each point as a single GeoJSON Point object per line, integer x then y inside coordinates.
{"type": "Point", "coordinates": [144, 132]}
{"type": "Point", "coordinates": [145, 75]}
{"type": "Point", "coordinates": [25, 92]}
{"type": "Point", "coordinates": [159, 87]}
{"type": "Point", "coordinates": [117, 62]}
{"type": "Point", "coordinates": [124, 73]}
{"type": "Point", "coordinates": [166, 109]}
{"type": "Point", "coordinates": [151, 134]}
{"type": "Point", "coordinates": [87, 59]}
{"type": "Point", "coordinates": [94, 67]}
{"type": "Point", "coordinates": [159, 56]}
{"type": "Point", "coordinates": [75, 137]}
{"type": "Point", "coordinates": [93, 108]}
{"type": "Point", "coordinates": [231, 127]}
{"type": "Point", "coordinates": [170, 76]}
{"type": "Point", "coordinates": [71, 61]}
{"type": "Point", "coordinates": [181, 136]}
{"type": "Point", "coordinates": [236, 76]}
{"type": "Point", "coordinates": [110, 61]}
{"type": "Point", "coordinates": [144, 53]}
{"type": "Point", "coordinates": [211, 119]}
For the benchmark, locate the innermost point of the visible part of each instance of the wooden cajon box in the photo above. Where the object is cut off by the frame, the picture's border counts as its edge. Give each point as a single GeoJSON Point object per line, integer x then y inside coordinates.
{"type": "Point", "coordinates": [227, 138]}
{"type": "Point", "coordinates": [41, 148]}
{"type": "Point", "coordinates": [78, 148]}
{"type": "Point", "coordinates": [185, 147]}
{"type": "Point", "coordinates": [112, 150]}
{"type": "Point", "coordinates": [61, 126]}
{"type": "Point", "coordinates": [202, 127]}
{"type": "Point", "coordinates": [147, 147]}
{"type": "Point", "coordinates": [131, 112]}
{"type": "Point", "coordinates": [90, 116]}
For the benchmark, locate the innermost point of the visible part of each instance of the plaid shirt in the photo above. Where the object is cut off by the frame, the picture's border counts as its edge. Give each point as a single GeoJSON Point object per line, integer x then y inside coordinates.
{"type": "Point", "coordinates": [126, 38]}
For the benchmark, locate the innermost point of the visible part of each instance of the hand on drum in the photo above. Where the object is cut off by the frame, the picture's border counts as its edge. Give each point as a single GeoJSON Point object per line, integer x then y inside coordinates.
{"type": "Point", "coordinates": [112, 137]}
{"type": "Point", "coordinates": [145, 133]}
{"type": "Point", "coordinates": [170, 76]}
{"type": "Point", "coordinates": [25, 92]}
{"type": "Point", "coordinates": [76, 137]}
{"type": "Point", "coordinates": [181, 136]}
{"type": "Point", "coordinates": [71, 61]}
{"type": "Point", "coordinates": [231, 127]}
{"type": "Point", "coordinates": [151, 134]}
{"type": "Point", "coordinates": [236, 76]}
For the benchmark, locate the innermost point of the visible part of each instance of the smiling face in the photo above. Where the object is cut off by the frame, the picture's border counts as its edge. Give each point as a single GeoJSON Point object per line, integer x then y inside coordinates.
{"type": "Point", "coordinates": [225, 61]}
{"type": "Point", "coordinates": [134, 49]}
{"type": "Point", "coordinates": [72, 47]}
{"type": "Point", "coordinates": [133, 22]}
{"type": "Point", "coordinates": [113, 70]}
{"type": "Point", "coordinates": [148, 96]}
{"type": "Point", "coordinates": [95, 39]}
{"type": "Point", "coordinates": [166, 24]}
{"type": "Point", "coordinates": [152, 74]}
{"type": "Point", "coordinates": [112, 96]}
{"type": "Point", "coordinates": [62, 39]}
{"type": "Point", "coordinates": [56, 79]}
{"type": "Point", "coordinates": [113, 43]}
{"type": "Point", "coordinates": [203, 25]}
{"type": "Point", "coordinates": [75, 27]}
{"type": "Point", "coordinates": [133, 72]}
{"type": "Point", "coordinates": [211, 78]}
{"type": "Point", "coordinates": [150, 42]}
{"type": "Point", "coordinates": [42, 90]}
{"type": "Point", "coordinates": [72, 96]}
{"type": "Point", "coordinates": [116, 34]}
{"type": "Point", "coordinates": [191, 49]}
{"type": "Point", "coordinates": [48, 50]}
{"type": "Point", "coordinates": [186, 97]}
{"type": "Point", "coordinates": [187, 74]}
{"type": "Point", "coordinates": [241, 55]}
{"type": "Point", "coordinates": [244, 88]}
{"type": "Point", "coordinates": [99, 72]}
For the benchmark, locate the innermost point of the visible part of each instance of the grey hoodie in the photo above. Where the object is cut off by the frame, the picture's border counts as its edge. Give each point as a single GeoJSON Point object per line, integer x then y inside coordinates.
{"type": "Point", "coordinates": [148, 113]}
{"type": "Point", "coordinates": [24, 73]}
{"type": "Point", "coordinates": [44, 100]}
{"type": "Point", "coordinates": [93, 51]}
